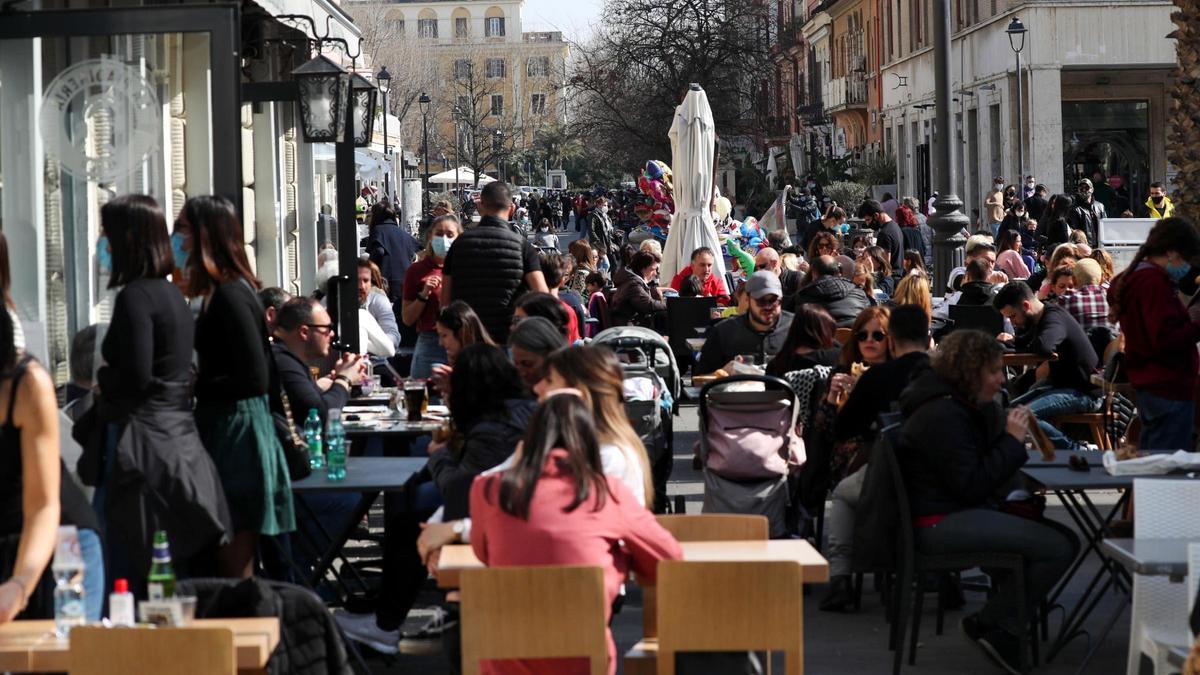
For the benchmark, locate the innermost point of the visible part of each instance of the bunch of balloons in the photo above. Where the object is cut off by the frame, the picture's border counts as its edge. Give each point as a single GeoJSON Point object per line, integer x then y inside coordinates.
{"type": "Point", "coordinates": [658, 201]}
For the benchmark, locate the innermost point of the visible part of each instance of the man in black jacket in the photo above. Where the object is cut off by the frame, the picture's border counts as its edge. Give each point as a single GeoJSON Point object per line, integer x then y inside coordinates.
{"type": "Point", "coordinates": [1087, 213]}
{"type": "Point", "coordinates": [839, 296]}
{"type": "Point", "coordinates": [887, 233]}
{"type": "Point", "coordinates": [489, 265]}
{"type": "Point", "coordinates": [1064, 385]}
{"type": "Point", "coordinates": [303, 332]}
{"type": "Point", "coordinates": [391, 248]}
{"type": "Point", "coordinates": [1036, 204]}
{"type": "Point", "coordinates": [760, 331]}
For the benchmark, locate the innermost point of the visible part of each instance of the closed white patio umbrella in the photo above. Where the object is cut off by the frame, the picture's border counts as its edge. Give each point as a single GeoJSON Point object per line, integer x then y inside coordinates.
{"type": "Point", "coordinates": [693, 146]}
{"type": "Point", "coordinates": [464, 176]}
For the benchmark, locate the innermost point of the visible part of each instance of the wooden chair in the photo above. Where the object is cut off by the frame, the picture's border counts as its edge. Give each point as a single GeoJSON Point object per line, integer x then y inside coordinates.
{"type": "Point", "coordinates": [730, 607]}
{"type": "Point", "coordinates": [533, 613]}
{"type": "Point", "coordinates": [1096, 422]}
{"type": "Point", "coordinates": [180, 651]}
{"type": "Point", "coordinates": [842, 335]}
{"type": "Point", "coordinates": [641, 658]}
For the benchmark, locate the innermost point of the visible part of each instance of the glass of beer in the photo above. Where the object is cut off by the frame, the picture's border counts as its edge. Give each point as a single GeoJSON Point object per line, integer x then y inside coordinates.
{"type": "Point", "coordinates": [415, 399]}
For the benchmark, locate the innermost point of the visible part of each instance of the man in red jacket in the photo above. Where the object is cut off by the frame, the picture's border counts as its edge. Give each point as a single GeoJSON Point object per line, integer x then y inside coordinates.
{"type": "Point", "coordinates": [711, 285]}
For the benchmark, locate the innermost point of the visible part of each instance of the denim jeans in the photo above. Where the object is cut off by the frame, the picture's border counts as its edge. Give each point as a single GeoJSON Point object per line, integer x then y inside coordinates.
{"type": "Point", "coordinates": [1046, 403]}
{"type": "Point", "coordinates": [426, 353]}
{"type": "Point", "coordinates": [1166, 424]}
{"type": "Point", "coordinates": [841, 522]}
{"type": "Point", "coordinates": [93, 574]}
{"type": "Point", "coordinates": [1048, 549]}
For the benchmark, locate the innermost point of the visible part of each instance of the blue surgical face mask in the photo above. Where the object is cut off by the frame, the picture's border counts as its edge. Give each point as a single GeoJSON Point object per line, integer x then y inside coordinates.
{"type": "Point", "coordinates": [1177, 272]}
{"type": "Point", "coordinates": [104, 255]}
{"type": "Point", "coordinates": [441, 245]}
{"type": "Point", "coordinates": [181, 256]}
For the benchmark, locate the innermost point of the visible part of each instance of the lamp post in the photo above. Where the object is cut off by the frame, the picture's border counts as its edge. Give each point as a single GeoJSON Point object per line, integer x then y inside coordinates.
{"type": "Point", "coordinates": [497, 146]}
{"type": "Point", "coordinates": [384, 80]}
{"type": "Point", "coordinates": [458, 115]}
{"type": "Point", "coordinates": [948, 221]}
{"type": "Point", "coordinates": [424, 101]}
{"type": "Point", "coordinates": [1017, 30]}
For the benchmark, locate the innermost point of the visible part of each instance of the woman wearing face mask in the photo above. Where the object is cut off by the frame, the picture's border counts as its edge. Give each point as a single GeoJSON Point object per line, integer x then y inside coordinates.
{"type": "Point", "coordinates": [545, 237]}
{"type": "Point", "coordinates": [1160, 338]}
{"type": "Point", "coordinates": [422, 286]}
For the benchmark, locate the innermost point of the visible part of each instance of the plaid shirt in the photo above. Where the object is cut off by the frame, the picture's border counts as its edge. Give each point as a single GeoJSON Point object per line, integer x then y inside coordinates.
{"type": "Point", "coordinates": [1089, 307]}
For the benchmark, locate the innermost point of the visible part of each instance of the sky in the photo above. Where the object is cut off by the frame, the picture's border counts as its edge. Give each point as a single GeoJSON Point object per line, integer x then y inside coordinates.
{"type": "Point", "coordinates": [572, 17]}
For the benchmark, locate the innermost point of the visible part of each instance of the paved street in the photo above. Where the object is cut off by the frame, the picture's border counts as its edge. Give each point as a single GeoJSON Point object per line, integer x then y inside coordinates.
{"type": "Point", "coordinates": [853, 644]}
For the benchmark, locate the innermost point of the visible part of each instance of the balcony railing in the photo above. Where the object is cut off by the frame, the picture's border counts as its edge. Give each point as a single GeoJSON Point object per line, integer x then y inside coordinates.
{"type": "Point", "coordinates": [846, 92]}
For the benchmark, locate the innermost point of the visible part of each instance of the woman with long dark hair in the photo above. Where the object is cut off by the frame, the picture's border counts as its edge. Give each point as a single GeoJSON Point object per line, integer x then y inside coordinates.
{"type": "Point", "coordinates": [1160, 338]}
{"type": "Point", "coordinates": [809, 342]}
{"type": "Point", "coordinates": [30, 473]}
{"type": "Point", "coordinates": [232, 384]}
{"type": "Point", "coordinates": [1053, 229]}
{"type": "Point", "coordinates": [555, 506]}
{"type": "Point", "coordinates": [146, 459]}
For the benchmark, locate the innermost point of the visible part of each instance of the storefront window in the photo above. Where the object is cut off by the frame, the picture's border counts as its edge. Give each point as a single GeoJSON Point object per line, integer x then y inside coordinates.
{"type": "Point", "coordinates": [1108, 143]}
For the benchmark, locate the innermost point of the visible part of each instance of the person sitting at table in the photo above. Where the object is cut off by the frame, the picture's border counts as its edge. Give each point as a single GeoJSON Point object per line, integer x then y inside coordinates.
{"type": "Point", "coordinates": [490, 411]}
{"type": "Point", "coordinates": [638, 299]}
{"type": "Point", "coordinates": [1063, 386]}
{"type": "Point", "coordinates": [701, 269]}
{"type": "Point", "coordinates": [956, 451]}
{"type": "Point", "coordinates": [458, 326]}
{"type": "Point", "coordinates": [768, 259]}
{"type": "Point", "coordinates": [32, 470]}
{"type": "Point", "coordinates": [555, 507]}
{"type": "Point", "coordinates": [828, 288]}
{"type": "Point", "coordinates": [551, 308]}
{"type": "Point", "coordinates": [532, 341]}
{"type": "Point", "coordinates": [1086, 303]}
{"type": "Point", "coordinates": [856, 403]}
{"type": "Point", "coordinates": [760, 332]}
{"type": "Point", "coordinates": [1160, 338]}
{"type": "Point", "coordinates": [809, 342]}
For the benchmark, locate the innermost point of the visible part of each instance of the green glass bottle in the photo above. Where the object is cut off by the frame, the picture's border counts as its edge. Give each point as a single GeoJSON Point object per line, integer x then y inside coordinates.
{"type": "Point", "coordinates": [162, 575]}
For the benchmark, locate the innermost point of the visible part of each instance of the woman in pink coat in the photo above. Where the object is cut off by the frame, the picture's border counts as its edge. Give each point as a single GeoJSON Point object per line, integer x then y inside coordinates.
{"type": "Point", "coordinates": [554, 507]}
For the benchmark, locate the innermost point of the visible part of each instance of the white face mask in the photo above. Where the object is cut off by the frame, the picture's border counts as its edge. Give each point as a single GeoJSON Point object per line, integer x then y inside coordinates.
{"type": "Point", "coordinates": [998, 186]}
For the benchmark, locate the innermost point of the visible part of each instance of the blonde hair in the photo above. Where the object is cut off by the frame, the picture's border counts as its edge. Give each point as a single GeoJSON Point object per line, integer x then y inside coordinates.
{"type": "Point", "coordinates": [913, 289]}
{"type": "Point", "coordinates": [652, 245]}
{"type": "Point", "coordinates": [1104, 259]}
{"type": "Point", "coordinates": [1087, 272]}
{"type": "Point", "coordinates": [790, 261]}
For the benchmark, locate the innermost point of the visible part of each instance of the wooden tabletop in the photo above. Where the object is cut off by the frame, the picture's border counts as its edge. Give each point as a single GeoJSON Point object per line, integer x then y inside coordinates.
{"type": "Point", "coordinates": [454, 559]}
{"type": "Point", "coordinates": [1027, 359]}
{"type": "Point", "coordinates": [31, 646]}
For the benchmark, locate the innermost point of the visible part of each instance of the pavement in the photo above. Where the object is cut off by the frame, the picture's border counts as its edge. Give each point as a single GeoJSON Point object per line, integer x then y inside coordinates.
{"type": "Point", "coordinates": [851, 643]}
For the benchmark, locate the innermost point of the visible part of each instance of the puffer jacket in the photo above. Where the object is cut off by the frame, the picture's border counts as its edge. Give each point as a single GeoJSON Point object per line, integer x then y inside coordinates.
{"type": "Point", "coordinates": [487, 266]}
{"type": "Point", "coordinates": [487, 443]}
{"type": "Point", "coordinates": [954, 454]}
{"type": "Point", "coordinates": [635, 303]}
{"type": "Point", "coordinates": [840, 297]}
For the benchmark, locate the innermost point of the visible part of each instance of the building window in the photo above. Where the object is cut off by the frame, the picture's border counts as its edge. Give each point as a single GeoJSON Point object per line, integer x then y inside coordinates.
{"type": "Point", "coordinates": [427, 28]}
{"type": "Point", "coordinates": [537, 104]}
{"type": "Point", "coordinates": [538, 66]}
{"type": "Point", "coordinates": [397, 26]}
{"type": "Point", "coordinates": [497, 105]}
{"type": "Point", "coordinates": [462, 69]}
{"type": "Point", "coordinates": [461, 28]}
{"type": "Point", "coordinates": [495, 68]}
{"type": "Point", "coordinates": [494, 27]}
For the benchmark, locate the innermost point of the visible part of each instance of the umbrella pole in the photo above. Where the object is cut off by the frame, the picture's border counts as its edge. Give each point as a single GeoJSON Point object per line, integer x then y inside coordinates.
{"type": "Point", "coordinates": [712, 193]}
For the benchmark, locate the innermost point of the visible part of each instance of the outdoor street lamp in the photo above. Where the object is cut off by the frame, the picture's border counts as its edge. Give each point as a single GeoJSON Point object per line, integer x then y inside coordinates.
{"type": "Point", "coordinates": [424, 101]}
{"type": "Point", "coordinates": [364, 110]}
{"type": "Point", "coordinates": [323, 93]}
{"type": "Point", "coordinates": [384, 80]}
{"type": "Point", "coordinates": [498, 146]}
{"type": "Point", "coordinates": [948, 220]}
{"type": "Point", "coordinates": [457, 114]}
{"type": "Point", "coordinates": [1016, 30]}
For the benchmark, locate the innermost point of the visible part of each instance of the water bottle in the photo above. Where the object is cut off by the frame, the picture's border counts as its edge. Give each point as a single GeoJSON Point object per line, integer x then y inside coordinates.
{"type": "Point", "coordinates": [335, 443]}
{"type": "Point", "coordinates": [312, 438]}
{"type": "Point", "coordinates": [68, 570]}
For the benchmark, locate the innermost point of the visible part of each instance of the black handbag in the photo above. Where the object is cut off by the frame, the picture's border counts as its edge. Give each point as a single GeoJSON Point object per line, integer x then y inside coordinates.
{"type": "Point", "coordinates": [295, 449]}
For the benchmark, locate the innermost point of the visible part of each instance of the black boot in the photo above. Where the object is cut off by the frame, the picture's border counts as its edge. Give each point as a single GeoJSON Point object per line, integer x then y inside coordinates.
{"type": "Point", "coordinates": [840, 596]}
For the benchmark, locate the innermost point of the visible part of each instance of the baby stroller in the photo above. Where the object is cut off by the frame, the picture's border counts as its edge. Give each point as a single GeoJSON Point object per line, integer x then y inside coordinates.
{"type": "Point", "coordinates": [749, 448]}
{"type": "Point", "coordinates": [652, 388]}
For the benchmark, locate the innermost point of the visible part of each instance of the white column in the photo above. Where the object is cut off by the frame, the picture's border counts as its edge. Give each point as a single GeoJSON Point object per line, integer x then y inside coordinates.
{"type": "Point", "coordinates": [23, 160]}
{"type": "Point", "coordinates": [307, 210]}
{"type": "Point", "coordinates": [267, 245]}
{"type": "Point", "coordinates": [1045, 126]}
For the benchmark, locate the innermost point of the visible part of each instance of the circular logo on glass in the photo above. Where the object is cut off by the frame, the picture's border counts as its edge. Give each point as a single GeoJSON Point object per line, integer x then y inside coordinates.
{"type": "Point", "coordinates": [100, 119]}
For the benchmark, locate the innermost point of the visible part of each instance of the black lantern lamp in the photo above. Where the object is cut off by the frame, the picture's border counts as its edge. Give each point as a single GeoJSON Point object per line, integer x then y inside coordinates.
{"type": "Point", "coordinates": [364, 109]}
{"type": "Point", "coordinates": [323, 91]}
{"type": "Point", "coordinates": [1016, 31]}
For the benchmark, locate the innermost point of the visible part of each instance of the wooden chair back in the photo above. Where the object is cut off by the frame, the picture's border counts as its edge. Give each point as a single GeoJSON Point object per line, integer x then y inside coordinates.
{"type": "Point", "coordinates": [842, 335]}
{"type": "Point", "coordinates": [179, 651]}
{"type": "Point", "coordinates": [533, 613]}
{"type": "Point", "coordinates": [759, 605]}
{"type": "Point", "coordinates": [716, 527]}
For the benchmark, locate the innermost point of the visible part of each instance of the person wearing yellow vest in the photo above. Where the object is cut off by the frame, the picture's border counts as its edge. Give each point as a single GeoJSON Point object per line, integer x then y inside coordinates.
{"type": "Point", "coordinates": [1159, 205]}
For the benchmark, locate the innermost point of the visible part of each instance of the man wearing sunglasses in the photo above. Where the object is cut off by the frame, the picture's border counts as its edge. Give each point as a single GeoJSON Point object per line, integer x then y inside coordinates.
{"type": "Point", "coordinates": [303, 333]}
{"type": "Point", "coordinates": [759, 332]}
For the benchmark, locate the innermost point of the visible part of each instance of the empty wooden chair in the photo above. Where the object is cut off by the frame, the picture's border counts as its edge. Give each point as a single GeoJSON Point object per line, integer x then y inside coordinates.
{"type": "Point", "coordinates": [730, 607]}
{"type": "Point", "coordinates": [180, 651]}
{"type": "Point", "coordinates": [533, 613]}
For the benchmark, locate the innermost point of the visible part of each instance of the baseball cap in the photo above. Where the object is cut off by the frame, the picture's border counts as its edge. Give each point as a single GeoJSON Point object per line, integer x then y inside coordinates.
{"type": "Point", "coordinates": [1085, 181]}
{"type": "Point", "coordinates": [763, 283]}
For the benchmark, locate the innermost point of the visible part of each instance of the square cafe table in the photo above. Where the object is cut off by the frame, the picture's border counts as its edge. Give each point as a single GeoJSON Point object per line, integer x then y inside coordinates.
{"type": "Point", "coordinates": [1072, 488]}
{"type": "Point", "coordinates": [32, 647]}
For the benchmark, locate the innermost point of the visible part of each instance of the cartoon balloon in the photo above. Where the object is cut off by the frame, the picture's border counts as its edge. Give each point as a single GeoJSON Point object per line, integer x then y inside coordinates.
{"type": "Point", "coordinates": [723, 207]}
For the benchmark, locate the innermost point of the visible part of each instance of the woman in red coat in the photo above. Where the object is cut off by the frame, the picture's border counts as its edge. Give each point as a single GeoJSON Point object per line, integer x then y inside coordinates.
{"type": "Point", "coordinates": [554, 507]}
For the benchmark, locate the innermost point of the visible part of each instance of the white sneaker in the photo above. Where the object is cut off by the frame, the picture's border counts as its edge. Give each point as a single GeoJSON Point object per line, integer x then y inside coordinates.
{"type": "Point", "coordinates": [362, 628]}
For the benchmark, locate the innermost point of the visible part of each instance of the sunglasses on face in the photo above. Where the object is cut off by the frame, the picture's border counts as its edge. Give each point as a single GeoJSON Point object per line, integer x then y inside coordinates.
{"type": "Point", "coordinates": [876, 335]}
{"type": "Point", "coordinates": [767, 301]}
